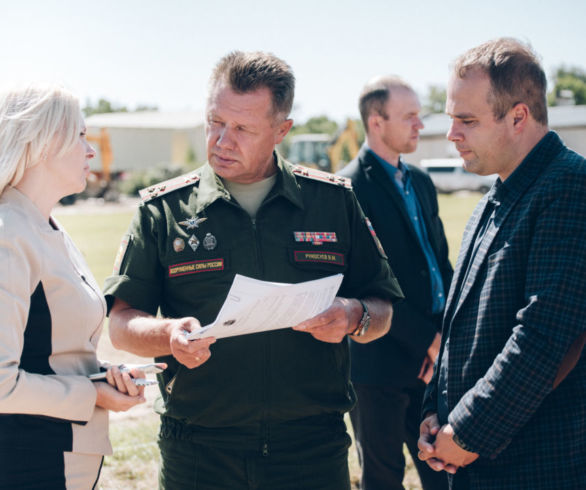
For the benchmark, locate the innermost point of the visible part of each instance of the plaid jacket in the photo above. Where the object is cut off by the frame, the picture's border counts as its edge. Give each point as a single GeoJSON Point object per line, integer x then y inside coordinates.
{"type": "Point", "coordinates": [520, 309]}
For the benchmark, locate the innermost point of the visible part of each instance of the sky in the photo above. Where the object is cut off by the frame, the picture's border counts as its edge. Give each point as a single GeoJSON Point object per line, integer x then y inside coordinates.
{"type": "Point", "coordinates": [147, 52]}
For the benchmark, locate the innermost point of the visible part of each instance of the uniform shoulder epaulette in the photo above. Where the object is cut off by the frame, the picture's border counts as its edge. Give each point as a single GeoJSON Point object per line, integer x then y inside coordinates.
{"type": "Point", "coordinates": [167, 186]}
{"type": "Point", "coordinates": [321, 176]}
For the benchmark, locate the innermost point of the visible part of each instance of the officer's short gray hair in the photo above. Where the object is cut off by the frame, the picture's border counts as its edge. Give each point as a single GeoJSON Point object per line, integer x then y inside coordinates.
{"type": "Point", "coordinates": [247, 72]}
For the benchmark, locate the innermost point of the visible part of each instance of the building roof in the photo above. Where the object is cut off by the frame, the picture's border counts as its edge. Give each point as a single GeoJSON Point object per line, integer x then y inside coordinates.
{"type": "Point", "coordinates": [147, 120]}
{"type": "Point", "coordinates": [559, 117]}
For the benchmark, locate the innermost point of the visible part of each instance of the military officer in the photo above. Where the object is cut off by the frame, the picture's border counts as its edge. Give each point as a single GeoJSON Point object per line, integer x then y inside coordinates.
{"type": "Point", "coordinates": [265, 410]}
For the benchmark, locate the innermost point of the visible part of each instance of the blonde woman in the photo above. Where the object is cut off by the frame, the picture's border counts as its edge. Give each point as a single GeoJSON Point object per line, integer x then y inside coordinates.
{"type": "Point", "coordinates": [53, 419]}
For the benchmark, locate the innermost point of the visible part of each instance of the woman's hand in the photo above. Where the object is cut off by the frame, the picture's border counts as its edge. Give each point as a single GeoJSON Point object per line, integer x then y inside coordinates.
{"type": "Point", "coordinates": [120, 393]}
{"type": "Point", "coordinates": [112, 399]}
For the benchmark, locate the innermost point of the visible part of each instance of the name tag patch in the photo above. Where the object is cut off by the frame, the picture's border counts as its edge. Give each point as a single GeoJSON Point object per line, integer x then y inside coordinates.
{"type": "Point", "coordinates": [195, 267]}
{"type": "Point", "coordinates": [323, 257]}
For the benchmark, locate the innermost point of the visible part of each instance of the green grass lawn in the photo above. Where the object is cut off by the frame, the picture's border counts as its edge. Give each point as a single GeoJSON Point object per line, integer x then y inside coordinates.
{"type": "Point", "coordinates": [135, 460]}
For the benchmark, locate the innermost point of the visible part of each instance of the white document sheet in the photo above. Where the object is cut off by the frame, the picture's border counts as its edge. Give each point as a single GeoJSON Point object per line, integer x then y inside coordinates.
{"type": "Point", "coordinates": [256, 306]}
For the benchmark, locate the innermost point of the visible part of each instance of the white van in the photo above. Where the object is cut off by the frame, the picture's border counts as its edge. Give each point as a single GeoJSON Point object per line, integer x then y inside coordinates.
{"type": "Point", "coordinates": [448, 175]}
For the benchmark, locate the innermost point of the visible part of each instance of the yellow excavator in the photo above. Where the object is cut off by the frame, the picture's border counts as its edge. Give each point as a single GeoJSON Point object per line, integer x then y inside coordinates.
{"type": "Point", "coordinates": [102, 140]}
{"type": "Point", "coordinates": [321, 151]}
{"type": "Point", "coordinates": [99, 182]}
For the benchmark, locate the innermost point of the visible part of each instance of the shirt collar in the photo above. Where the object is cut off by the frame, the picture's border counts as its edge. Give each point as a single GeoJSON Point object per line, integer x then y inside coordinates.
{"type": "Point", "coordinates": [529, 168]}
{"type": "Point", "coordinates": [402, 167]}
{"type": "Point", "coordinates": [211, 188]}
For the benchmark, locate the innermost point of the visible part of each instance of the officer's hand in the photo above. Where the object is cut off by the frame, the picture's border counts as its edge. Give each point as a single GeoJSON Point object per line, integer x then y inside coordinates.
{"type": "Point", "coordinates": [190, 353]}
{"type": "Point", "coordinates": [333, 324]}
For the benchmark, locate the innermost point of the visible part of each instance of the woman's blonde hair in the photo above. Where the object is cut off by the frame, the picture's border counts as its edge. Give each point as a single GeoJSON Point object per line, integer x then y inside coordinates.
{"type": "Point", "coordinates": [36, 121]}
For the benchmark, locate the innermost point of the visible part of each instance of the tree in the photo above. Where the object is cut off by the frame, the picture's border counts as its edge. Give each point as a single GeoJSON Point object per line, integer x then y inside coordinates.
{"type": "Point", "coordinates": [568, 79]}
{"type": "Point", "coordinates": [435, 100]}
{"type": "Point", "coordinates": [102, 107]}
{"type": "Point", "coordinates": [316, 124]}
{"type": "Point", "coordinates": [105, 106]}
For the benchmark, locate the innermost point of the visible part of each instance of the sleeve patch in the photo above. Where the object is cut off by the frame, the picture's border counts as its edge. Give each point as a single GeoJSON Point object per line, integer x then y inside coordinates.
{"type": "Point", "coordinates": [377, 242]}
{"type": "Point", "coordinates": [121, 253]}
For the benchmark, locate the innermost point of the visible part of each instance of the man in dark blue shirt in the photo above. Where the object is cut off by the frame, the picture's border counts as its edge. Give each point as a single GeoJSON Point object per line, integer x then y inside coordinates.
{"type": "Point", "coordinates": [390, 374]}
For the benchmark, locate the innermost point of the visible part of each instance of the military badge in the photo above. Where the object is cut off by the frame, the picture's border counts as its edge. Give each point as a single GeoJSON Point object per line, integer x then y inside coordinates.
{"type": "Point", "coordinates": [193, 242]}
{"type": "Point", "coordinates": [192, 223]}
{"type": "Point", "coordinates": [209, 241]}
{"type": "Point", "coordinates": [178, 244]}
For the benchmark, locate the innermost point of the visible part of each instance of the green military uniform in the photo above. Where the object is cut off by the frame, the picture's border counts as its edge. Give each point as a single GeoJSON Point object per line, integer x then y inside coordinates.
{"type": "Point", "coordinates": [267, 392]}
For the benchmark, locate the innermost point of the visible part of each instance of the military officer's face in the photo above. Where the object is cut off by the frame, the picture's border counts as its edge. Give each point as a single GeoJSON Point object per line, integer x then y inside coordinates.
{"type": "Point", "coordinates": [242, 132]}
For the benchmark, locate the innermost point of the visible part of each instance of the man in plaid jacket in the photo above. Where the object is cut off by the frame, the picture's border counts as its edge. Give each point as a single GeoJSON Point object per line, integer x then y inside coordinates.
{"type": "Point", "coordinates": [506, 407]}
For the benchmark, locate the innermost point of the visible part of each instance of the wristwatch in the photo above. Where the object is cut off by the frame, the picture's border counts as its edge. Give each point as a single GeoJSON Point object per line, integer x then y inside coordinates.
{"type": "Point", "coordinates": [364, 322]}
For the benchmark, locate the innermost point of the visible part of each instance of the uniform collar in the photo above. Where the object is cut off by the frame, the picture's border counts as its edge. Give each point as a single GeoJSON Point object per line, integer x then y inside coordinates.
{"type": "Point", "coordinates": [211, 187]}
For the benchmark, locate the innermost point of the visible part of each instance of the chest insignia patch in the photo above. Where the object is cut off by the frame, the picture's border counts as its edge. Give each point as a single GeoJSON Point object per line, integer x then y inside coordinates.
{"type": "Point", "coordinates": [193, 242]}
{"type": "Point", "coordinates": [315, 237]}
{"type": "Point", "coordinates": [209, 241]}
{"type": "Point", "coordinates": [195, 267]}
{"type": "Point", "coordinates": [377, 242]}
{"type": "Point", "coordinates": [192, 223]}
{"type": "Point", "coordinates": [178, 244]}
{"type": "Point", "coordinates": [323, 257]}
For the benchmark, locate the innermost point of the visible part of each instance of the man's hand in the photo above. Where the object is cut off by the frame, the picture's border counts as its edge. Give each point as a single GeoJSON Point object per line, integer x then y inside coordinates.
{"type": "Point", "coordinates": [428, 431]}
{"type": "Point", "coordinates": [449, 452]}
{"type": "Point", "coordinates": [434, 348]}
{"type": "Point", "coordinates": [190, 353]}
{"type": "Point", "coordinates": [426, 371]}
{"type": "Point", "coordinates": [333, 324]}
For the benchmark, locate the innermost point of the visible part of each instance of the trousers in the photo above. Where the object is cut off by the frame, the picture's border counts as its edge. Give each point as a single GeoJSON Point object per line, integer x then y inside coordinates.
{"type": "Point", "coordinates": [383, 420]}
{"type": "Point", "coordinates": [187, 465]}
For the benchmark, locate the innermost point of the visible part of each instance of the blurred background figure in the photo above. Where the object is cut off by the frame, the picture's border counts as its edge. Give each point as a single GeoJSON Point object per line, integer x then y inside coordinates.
{"type": "Point", "coordinates": [389, 374]}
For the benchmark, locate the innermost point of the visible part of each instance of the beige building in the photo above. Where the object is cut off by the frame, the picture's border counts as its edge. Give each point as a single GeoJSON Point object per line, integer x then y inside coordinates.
{"type": "Point", "coordinates": [142, 140]}
{"type": "Point", "coordinates": [568, 121]}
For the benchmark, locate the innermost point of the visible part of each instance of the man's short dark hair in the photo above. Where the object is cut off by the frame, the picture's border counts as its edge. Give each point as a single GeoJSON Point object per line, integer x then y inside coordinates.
{"type": "Point", "coordinates": [375, 95]}
{"type": "Point", "coordinates": [515, 75]}
{"type": "Point", "coordinates": [247, 72]}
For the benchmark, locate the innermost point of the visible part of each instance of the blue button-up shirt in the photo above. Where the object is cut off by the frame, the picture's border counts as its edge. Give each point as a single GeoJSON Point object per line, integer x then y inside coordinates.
{"type": "Point", "coordinates": [402, 179]}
